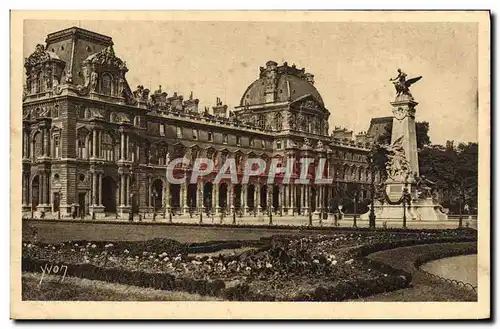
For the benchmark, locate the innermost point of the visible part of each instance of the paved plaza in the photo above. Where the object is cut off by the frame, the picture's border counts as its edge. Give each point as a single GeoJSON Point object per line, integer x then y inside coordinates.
{"type": "Point", "coordinates": [285, 220]}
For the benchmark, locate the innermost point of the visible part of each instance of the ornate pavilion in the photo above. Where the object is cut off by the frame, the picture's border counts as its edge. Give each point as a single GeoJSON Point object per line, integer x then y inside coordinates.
{"type": "Point", "coordinates": [91, 141]}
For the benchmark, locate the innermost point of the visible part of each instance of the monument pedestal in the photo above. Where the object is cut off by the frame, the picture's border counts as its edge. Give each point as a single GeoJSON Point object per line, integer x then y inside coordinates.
{"type": "Point", "coordinates": [420, 210]}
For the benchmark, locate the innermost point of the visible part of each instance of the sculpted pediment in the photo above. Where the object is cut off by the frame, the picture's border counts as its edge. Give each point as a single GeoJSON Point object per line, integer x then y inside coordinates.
{"type": "Point", "coordinates": [308, 103]}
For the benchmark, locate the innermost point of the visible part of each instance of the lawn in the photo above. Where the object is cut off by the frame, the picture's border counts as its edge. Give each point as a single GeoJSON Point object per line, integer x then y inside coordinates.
{"type": "Point", "coordinates": [423, 287]}
{"type": "Point", "coordinates": [55, 232]}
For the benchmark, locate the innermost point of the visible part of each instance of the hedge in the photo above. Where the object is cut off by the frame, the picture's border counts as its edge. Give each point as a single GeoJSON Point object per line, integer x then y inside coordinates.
{"type": "Point", "coordinates": [161, 281]}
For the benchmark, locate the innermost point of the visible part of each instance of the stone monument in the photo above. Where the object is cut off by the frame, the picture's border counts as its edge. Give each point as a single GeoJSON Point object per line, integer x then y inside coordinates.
{"type": "Point", "coordinates": [402, 167]}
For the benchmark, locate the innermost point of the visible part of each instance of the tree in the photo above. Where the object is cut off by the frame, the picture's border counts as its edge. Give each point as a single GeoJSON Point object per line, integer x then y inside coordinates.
{"type": "Point", "coordinates": [454, 169]}
{"type": "Point", "coordinates": [377, 161]}
{"type": "Point", "coordinates": [421, 130]}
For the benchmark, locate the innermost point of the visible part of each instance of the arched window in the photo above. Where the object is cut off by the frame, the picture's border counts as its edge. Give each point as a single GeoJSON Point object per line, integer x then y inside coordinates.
{"type": "Point", "coordinates": [106, 84]}
{"type": "Point", "coordinates": [107, 148]}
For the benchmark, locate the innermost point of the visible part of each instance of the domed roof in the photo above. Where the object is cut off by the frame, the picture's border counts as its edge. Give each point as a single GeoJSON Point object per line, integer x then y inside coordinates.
{"type": "Point", "coordinates": [291, 85]}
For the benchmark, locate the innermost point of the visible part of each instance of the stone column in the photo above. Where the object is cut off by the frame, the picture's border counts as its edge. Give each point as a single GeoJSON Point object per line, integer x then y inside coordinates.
{"type": "Point", "coordinates": [183, 197]}
{"type": "Point", "coordinates": [244, 199]}
{"type": "Point", "coordinates": [25, 189]}
{"type": "Point", "coordinates": [126, 147]}
{"type": "Point", "coordinates": [150, 192]}
{"type": "Point", "coordinates": [230, 195]}
{"type": "Point", "coordinates": [100, 189]}
{"type": "Point", "coordinates": [94, 188]}
{"type": "Point", "coordinates": [45, 189]}
{"type": "Point", "coordinates": [122, 190]}
{"type": "Point", "coordinates": [199, 195]}
{"type": "Point", "coordinates": [40, 188]}
{"type": "Point", "coordinates": [319, 206]}
{"type": "Point", "coordinates": [94, 143]}
{"type": "Point", "coordinates": [215, 198]}
{"type": "Point", "coordinates": [281, 197]}
{"type": "Point", "coordinates": [306, 199]}
{"type": "Point", "coordinates": [122, 146]}
{"type": "Point", "coordinates": [167, 197]}
{"type": "Point", "coordinates": [46, 147]}
{"type": "Point", "coordinates": [129, 190]}
{"type": "Point", "coordinates": [292, 198]}
{"type": "Point", "coordinates": [269, 197]}
{"type": "Point", "coordinates": [257, 199]}
{"type": "Point", "coordinates": [99, 144]}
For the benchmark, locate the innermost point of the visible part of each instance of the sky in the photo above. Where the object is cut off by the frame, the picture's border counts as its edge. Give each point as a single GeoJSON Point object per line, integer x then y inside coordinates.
{"type": "Point", "coordinates": [352, 63]}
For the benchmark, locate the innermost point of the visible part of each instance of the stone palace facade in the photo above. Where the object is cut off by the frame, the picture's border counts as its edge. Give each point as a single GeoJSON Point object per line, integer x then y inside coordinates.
{"type": "Point", "coordinates": [91, 142]}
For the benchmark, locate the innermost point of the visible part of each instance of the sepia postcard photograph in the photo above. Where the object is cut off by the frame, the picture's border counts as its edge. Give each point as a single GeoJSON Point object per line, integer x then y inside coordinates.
{"type": "Point", "coordinates": [250, 165]}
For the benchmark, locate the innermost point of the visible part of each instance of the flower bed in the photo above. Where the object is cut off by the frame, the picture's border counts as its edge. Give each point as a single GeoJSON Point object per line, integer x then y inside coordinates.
{"type": "Point", "coordinates": [314, 267]}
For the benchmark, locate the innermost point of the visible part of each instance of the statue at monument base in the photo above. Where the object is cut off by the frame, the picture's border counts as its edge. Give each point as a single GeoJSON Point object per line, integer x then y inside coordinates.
{"type": "Point", "coordinates": [419, 209]}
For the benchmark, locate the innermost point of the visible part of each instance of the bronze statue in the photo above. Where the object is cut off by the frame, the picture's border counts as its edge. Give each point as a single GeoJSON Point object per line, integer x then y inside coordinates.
{"type": "Point", "coordinates": [402, 85]}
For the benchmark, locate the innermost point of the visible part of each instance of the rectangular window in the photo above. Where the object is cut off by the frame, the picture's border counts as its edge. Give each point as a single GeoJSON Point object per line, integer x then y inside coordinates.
{"type": "Point", "coordinates": [278, 145]}
{"type": "Point", "coordinates": [179, 132]}
{"type": "Point", "coordinates": [56, 147]}
{"type": "Point", "coordinates": [238, 140]}
{"type": "Point", "coordinates": [224, 139]}
{"type": "Point", "coordinates": [195, 134]}
{"type": "Point", "coordinates": [252, 143]}
{"type": "Point", "coordinates": [162, 130]}
{"type": "Point", "coordinates": [210, 137]}
{"type": "Point", "coordinates": [263, 144]}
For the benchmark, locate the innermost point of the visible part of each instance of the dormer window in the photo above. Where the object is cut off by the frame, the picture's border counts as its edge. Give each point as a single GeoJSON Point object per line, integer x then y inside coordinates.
{"type": "Point", "coordinates": [106, 84]}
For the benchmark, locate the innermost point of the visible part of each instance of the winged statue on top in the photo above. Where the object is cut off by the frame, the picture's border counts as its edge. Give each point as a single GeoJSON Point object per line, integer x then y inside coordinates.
{"type": "Point", "coordinates": [402, 85]}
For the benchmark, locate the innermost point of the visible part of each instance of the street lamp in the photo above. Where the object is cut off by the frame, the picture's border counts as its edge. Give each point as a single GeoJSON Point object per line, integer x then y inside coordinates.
{"type": "Point", "coordinates": [310, 209]}
{"type": "Point", "coordinates": [460, 218]}
{"type": "Point", "coordinates": [131, 216]}
{"type": "Point", "coordinates": [269, 201]}
{"type": "Point", "coordinates": [355, 208]}
{"type": "Point", "coordinates": [406, 200]}
{"type": "Point", "coordinates": [154, 194]}
{"type": "Point", "coordinates": [200, 202]}
{"type": "Point", "coordinates": [170, 210]}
